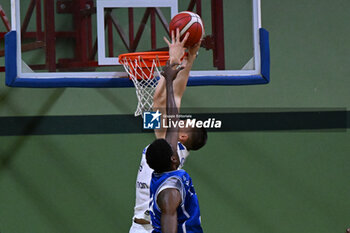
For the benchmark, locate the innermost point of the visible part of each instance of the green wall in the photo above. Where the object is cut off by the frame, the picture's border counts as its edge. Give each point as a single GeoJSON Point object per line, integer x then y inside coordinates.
{"type": "Point", "coordinates": [264, 181]}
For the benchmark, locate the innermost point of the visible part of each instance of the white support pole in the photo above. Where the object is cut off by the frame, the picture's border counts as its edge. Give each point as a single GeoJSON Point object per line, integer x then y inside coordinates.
{"type": "Point", "coordinates": [13, 15]}
{"type": "Point", "coordinates": [16, 17]}
{"type": "Point", "coordinates": [256, 27]}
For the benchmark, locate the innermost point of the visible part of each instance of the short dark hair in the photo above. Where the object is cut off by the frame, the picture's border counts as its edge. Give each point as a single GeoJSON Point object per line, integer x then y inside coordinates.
{"type": "Point", "coordinates": [158, 155]}
{"type": "Point", "coordinates": [197, 138]}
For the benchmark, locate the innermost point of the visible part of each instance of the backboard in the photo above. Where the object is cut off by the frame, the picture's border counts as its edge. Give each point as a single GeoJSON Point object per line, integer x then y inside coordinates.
{"type": "Point", "coordinates": [66, 43]}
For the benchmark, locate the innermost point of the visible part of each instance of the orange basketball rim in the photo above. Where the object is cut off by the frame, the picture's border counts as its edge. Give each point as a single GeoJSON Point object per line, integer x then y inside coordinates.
{"type": "Point", "coordinates": [142, 64]}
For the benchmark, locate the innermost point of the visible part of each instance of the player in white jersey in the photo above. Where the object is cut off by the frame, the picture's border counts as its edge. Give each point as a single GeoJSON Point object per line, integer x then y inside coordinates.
{"type": "Point", "coordinates": [189, 139]}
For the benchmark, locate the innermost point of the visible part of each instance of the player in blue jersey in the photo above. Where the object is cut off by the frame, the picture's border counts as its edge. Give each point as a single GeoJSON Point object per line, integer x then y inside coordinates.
{"type": "Point", "coordinates": [188, 138]}
{"type": "Point", "coordinates": [174, 205]}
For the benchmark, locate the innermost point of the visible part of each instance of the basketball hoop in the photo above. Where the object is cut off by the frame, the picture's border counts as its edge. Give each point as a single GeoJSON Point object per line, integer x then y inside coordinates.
{"type": "Point", "coordinates": [141, 67]}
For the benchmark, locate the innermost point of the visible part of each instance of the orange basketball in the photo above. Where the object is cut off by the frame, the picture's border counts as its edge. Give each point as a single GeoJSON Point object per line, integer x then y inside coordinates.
{"type": "Point", "coordinates": [190, 22]}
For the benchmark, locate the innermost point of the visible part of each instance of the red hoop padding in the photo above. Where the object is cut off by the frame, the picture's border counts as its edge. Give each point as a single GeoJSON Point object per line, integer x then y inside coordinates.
{"type": "Point", "coordinates": [142, 63]}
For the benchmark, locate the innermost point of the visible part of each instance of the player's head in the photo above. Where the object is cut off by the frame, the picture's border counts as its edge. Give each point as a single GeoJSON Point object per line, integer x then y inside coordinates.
{"type": "Point", "coordinates": [160, 156]}
{"type": "Point", "coordinates": [193, 138]}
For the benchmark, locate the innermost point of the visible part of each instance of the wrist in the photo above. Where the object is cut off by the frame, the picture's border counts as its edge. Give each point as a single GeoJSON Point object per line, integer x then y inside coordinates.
{"type": "Point", "coordinates": [191, 58]}
{"type": "Point", "coordinates": [169, 84]}
{"type": "Point", "coordinates": [174, 60]}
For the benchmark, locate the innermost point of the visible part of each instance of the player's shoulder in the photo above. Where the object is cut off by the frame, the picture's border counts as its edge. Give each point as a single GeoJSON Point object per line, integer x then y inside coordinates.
{"type": "Point", "coordinates": [180, 173]}
{"type": "Point", "coordinates": [145, 149]}
{"type": "Point", "coordinates": [181, 146]}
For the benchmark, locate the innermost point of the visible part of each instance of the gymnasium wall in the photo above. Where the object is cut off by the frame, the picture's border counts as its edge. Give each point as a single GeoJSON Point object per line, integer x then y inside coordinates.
{"type": "Point", "coordinates": [255, 181]}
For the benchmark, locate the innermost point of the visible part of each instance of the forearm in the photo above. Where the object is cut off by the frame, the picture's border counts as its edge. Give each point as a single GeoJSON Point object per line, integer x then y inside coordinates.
{"type": "Point", "coordinates": [171, 107]}
{"type": "Point", "coordinates": [171, 110]}
{"type": "Point", "coordinates": [159, 103]}
{"type": "Point", "coordinates": [159, 97]}
{"type": "Point", "coordinates": [180, 83]}
{"type": "Point", "coordinates": [169, 223]}
{"type": "Point", "coordinates": [179, 86]}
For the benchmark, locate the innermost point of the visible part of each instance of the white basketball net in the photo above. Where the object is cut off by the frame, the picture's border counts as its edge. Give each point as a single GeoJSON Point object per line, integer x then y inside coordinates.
{"type": "Point", "coordinates": [144, 83]}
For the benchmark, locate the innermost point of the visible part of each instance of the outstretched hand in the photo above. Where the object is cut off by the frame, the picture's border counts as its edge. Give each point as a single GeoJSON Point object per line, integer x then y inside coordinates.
{"type": "Point", "coordinates": [176, 47]}
{"type": "Point", "coordinates": [170, 70]}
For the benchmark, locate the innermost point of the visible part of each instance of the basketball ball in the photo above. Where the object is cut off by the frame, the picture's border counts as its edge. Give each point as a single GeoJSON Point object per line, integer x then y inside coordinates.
{"type": "Point", "coordinates": [190, 22]}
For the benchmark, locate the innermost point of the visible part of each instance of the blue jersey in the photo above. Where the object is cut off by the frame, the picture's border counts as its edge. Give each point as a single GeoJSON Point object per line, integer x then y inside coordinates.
{"type": "Point", "coordinates": [188, 215]}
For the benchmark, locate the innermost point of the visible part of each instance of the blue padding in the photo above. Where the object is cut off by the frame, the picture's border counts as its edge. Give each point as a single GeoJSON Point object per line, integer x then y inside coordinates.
{"type": "Point", "coordinates": [225, 80]}
{"type": "Point", "coordinates": [10, 58]}
{"type": "Point", "coordinates": [14, 81]}
{"type": "Point", "coordinates": [265, 54]}
{"type": "Point", "coordinates": [125, 82]}
{"type": "Point", "coordinates": [73, 82]}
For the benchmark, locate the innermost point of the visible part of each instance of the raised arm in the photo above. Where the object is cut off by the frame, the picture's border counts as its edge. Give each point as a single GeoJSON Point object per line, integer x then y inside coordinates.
{"type": "Point", "coordinates": [170, 72]}
{"type": "Point", "coordinates": [176, 52]}
{"type": "Point", "coordinates": [169, 199]}
{"type": "Point", "coordinates": [180, 82]}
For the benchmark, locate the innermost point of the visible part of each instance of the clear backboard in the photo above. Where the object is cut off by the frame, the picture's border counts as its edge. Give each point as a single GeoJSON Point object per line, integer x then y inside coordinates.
{"type": "Point", "coordinates": [66, 43]}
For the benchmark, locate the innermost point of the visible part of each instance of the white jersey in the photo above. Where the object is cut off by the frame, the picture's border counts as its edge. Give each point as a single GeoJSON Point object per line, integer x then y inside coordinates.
{"type": "Point", "coordinates": [143, 183]}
